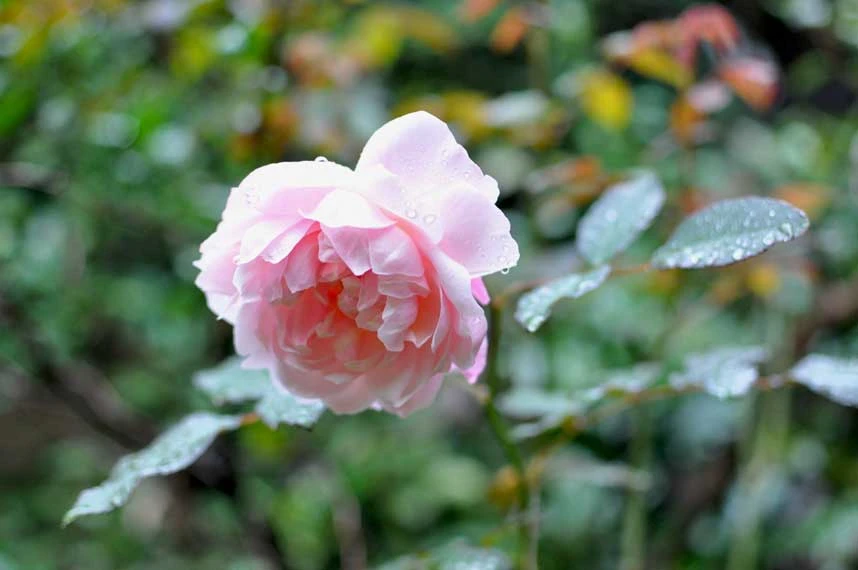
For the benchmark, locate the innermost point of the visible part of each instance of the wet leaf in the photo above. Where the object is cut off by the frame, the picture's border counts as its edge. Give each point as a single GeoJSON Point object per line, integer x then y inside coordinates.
{"type": "Point", "coordinates": [228, 382]}
{"type": "Point", "coordinates": [834, 378]}
{"type": "Point", "coordinates": [622, 213]}
{"type": "Point", "coordinates": [535, 307]}
{"type": "Point", "coordinates": [172, 451]}
{"type": "Point", "coordinates": [456, 556]}
{"type": "Point", "coordinates": [724, 372]}
{"type": "Point", "coordinates": [631, 380]}
{"type": "Point", "coordinates": [730, 231]}
{"type": "Point", "coordinates": [280, 407]}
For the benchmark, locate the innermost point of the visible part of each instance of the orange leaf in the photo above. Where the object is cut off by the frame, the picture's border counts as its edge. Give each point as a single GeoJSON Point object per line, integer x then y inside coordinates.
{"type": "Point", "coordinates": [510, 31]}
{"type": "Point", "coordinates": [709, 23]}
{"type": "Point", "coordinates": [755, 80]}
{"type": "Point", "coordinates": [812, 198]}
{"type": "Point", "coordinates": [685, 120]}
{"type": "Point", "coordinates": [473, 10]}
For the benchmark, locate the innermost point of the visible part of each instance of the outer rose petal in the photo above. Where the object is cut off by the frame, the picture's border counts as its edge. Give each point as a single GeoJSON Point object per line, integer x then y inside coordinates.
{"type": "Point", "coordinates": [478, 288]}
{"type": "Point", "coordinates": [477, 234]}
{"type": "Point", "coordinates": [341, 208]}
{"type": "Point", "coordinates": [420, 147]}
{"type": "Point", "coordinates": [424, 396]}
{"type": "Point", "coordinates": [470, 320]}
{"type": "Point", "coordinates": [479, 365]}
{"type": "Point", "coordinates": [414, 167]}
{"type": "Point", "coordinates": [264, 187]}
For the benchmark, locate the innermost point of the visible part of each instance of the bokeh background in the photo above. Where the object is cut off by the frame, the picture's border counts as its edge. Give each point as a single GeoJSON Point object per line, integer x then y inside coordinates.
{"type": "Point", "coordinates": [123, 124]}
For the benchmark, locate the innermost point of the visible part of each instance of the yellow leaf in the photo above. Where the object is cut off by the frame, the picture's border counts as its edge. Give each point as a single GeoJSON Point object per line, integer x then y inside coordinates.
{"type": "Point", "coordinates": [194, 53]}
{"type": "Point", "coordinates": [377, 38]}
{"type": "Point", "coordinates": [763, 279]}
{"type": "Point", "coordinates": [607, 99]}
{"type": "Point", "coordinates": [661, 65]}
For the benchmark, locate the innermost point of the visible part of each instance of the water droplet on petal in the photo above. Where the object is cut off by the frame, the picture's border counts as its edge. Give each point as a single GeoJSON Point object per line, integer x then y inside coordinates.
{"type": "Point", "coordinates": [429, 219]}
{"type": "Point", "coordinates": [321, 159]}
{"type": "Point", "coordinates": [411, 213]}
{"type": "Point", "coordinates": [504, 271]}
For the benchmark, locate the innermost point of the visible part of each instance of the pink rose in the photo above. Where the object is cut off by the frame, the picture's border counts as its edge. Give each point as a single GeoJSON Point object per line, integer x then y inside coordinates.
{"type": "Point", "coordinates": [360, 287]}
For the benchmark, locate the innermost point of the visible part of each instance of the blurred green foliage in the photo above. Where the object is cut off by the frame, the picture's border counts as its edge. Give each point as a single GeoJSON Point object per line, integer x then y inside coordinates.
{"type": "Point", "coordinates": [122, 127]}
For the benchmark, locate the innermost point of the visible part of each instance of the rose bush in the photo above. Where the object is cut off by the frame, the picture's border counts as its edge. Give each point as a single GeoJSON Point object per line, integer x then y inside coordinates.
{"type": "Point", "coordinates": [360, 287]}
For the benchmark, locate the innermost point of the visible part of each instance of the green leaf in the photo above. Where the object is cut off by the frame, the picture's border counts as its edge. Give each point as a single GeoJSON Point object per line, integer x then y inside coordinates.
{"type": "Point", "coordinates": [616, 220]}
{"type": "Point", "coordinates": [834, 378]}
{"type": "Point", "coordinates": [629, 381]}
{"type": "Point", "coordinates": [228, 382]}
{"type": "Point", "coordinates": [724, 372]}
{"type": "Point", "coordinates": [280, 407]}
{"type": "Point", "coordinates": [530, 403]}
{"type": "Point", "coordinates": [730, 231]}
{"type": "Point", "coordinates": [456, 556]}
{"type": "Point", "coordinates": [534, 307]}
{"type": "Point", "coordinates": [172, 451]}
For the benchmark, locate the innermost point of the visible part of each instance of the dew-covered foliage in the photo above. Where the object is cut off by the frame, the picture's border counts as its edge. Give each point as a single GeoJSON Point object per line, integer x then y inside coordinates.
{"type": "Point", "coordinates": [674, 355]}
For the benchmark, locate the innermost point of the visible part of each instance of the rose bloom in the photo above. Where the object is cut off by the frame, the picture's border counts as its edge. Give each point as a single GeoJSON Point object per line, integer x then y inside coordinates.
{"type": "Point", "coordinates": [361, 287]}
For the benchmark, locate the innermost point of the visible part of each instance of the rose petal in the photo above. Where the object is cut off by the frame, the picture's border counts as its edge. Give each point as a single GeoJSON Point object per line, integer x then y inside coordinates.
{"type": "Point", "coordinates": [421, 399]}
{"type": "Point", "coordinates": [420, 148]}
{"type": "Point", "coordinates": [425, 162]}
{"type": "Point", "coordinates": [341, 208]}
{"type": "Point", "coordinates": [477, 234]}
{"type": "Point", "coordinates": [478, 288]}
{"type": "Point", "coordinates": [272, 188]}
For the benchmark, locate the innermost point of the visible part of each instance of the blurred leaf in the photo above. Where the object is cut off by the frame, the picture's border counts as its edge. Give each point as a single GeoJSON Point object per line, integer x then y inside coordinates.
{"type": "Point", "coordinates": [280, 407]}
{"type": "Point", "coordinates": [534, 307]}
{"type": "Point", "coordinates": [660, 65]}
{"type": "Point", "coordinates": [473, 10]}
{"type": "Point", "coordinates": [754, 80]}
{"type": "Point", "coordinates": [228, 382]}
{"type": "Point", "coordinates": [631, 380]}
{"type": "Point", "coordinates": [834, 378]}
{"type": "Point", "coordinates": [730, 231]}
{"type": "Point", "coordinates": [456, 556]}
{"type": "Point", "coordinates": [534, 403]}
{"type": "Point", "coordinates": [809, 197]}
{"type": "Point", "coordinates": [606, 98]}
{"type": "Point", "coordinates": [622, 213]}
{"type": "Point", "coordinates": [724, 372]}
{"type": "Point", "coordinates": [172, 451]}
{"type": "Point", "coordinates": [510, 30]}
{"type": "Point", "coordinates": [685, 120]}
{"type": "Point", "coordinates": [515, 109]}
{"type": "Point", "coordinates": [583, 172]}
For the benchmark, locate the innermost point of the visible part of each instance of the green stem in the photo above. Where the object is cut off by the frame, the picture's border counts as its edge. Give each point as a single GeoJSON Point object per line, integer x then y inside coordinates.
{"type": "Point", "coordinates": [501, 432]}
{"type": "Point", "coordinates": [539, 50]}
{"type": "Point", "coordinates": [769, 441]}
{"type": "Point", "coordinates": [634, 523]}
